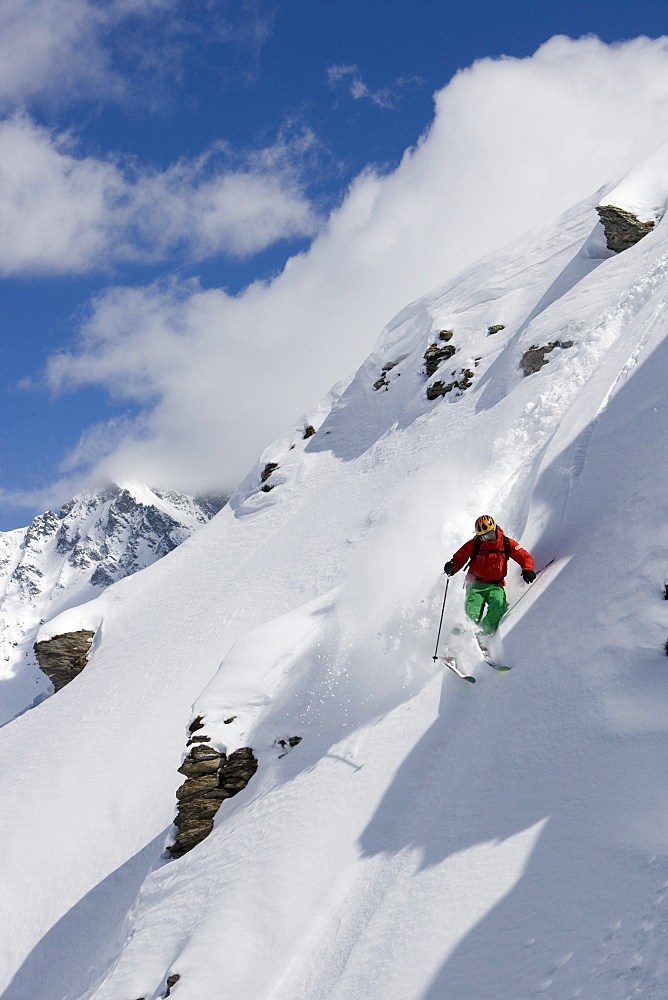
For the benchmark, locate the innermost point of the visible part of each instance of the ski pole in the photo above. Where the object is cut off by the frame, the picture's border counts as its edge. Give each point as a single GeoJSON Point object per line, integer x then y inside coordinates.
{"type": "Point", "coordinates": [539, 573]}
{"type": "Point", "coordinates": [440, 624]}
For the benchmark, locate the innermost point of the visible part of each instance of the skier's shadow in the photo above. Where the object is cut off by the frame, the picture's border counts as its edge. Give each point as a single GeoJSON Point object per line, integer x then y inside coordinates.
{"type": "Point", "coordinates": [479, 776]}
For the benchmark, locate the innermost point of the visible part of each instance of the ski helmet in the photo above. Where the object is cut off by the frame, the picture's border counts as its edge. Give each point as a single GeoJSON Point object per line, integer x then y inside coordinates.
{"type": "Point", "coordinates": [484, 524]}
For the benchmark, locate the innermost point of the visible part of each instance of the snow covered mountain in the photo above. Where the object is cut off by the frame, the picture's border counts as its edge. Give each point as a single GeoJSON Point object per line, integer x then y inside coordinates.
{"type": "Point", "coordinates": [61, 560]}
{"type": "Point", "coordinates": [425, 839]}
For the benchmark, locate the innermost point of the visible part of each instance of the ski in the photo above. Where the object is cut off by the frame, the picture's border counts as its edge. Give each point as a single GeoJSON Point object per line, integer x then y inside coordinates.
{"type": "Point", "coordinates": [452, 664]}
{"type": "Point", "coordinates": [488, 659]}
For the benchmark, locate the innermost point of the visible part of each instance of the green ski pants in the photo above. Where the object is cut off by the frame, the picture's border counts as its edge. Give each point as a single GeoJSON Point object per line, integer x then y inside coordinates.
{"type": "Point", "coordinates": [489, 596]}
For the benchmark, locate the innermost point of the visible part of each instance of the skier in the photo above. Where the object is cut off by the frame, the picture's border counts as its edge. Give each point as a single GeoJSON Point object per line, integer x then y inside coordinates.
{"type": "Point", "coordinates": [487, 555]}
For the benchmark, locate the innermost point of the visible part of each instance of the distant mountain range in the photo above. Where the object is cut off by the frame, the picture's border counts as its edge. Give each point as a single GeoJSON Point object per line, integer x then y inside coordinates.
{"type": "Point", "coordinates": [65, 559]}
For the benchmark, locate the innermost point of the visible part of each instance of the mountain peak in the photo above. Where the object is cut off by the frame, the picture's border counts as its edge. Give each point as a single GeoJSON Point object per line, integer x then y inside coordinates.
{"type": "Point", "coordinates": [65, 559]}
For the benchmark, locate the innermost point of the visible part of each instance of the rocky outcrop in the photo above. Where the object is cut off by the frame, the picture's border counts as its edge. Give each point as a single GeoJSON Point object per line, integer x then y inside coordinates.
{"type": "Point", "coordinates": [462, 379]}
{"type": "Point", "coordinates": [622, 228]}
{"type": "Point", "coordinates": [64, 656]}
{"type": "Point", "coordinates": [267, 471]}
{"type": "Point", "coordinates": [309, 431]}
{"type": "Point", "coordinates": [534, 359]}
{"type": "Point", "coordinates": [383, 381]}
{"type": "Point", "coordinates": [289, 744]}
{"type": "Point", "coordinates": [436, 353]}
{"type": "Point", "coordinates": [491, 330]}
{"type": "Point", "coordinates": [211, 777]}
{"type": "Point", "coordinates": [264, 476]}
{"type": "Point", "coordinates": [171, 981]}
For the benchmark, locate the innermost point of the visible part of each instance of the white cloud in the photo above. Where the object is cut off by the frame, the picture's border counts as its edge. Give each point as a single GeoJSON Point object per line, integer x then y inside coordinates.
{"type": "Point", "coordinates": [513, 143]}
{"type": "Point", "coordinates": [59, 46]}
{"type": "Point", "coordinates": [63, 212]}
{"type": "Point", "coordinates": [54, 207]}
{"type": "Point", "coordinates": [350, 76]}
{"type": "Point", "coordinates": [55, 51]}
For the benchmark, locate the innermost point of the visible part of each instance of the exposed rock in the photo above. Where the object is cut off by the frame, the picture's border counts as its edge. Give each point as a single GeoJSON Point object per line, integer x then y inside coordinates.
{"type": "Point", "coordinates": [491, 330]}
{"type": "Point", "coordinates": [267, 471]}
{"type": "Point", "coordinates": [171, 981]}
{"type": "Point", "coordinates": [42, 529]}
{"type": "Point", "coordinates": [437, 389]}
{"type": "Point", "coordinates": [665, 596]}
{"type": "Point", "coordinates": [292, 741]}
{"type": "Point", "coordinates": [196, 724]}
{"type": "Point", "coordinates": [622, 228]}
{"type": "Point", "coordinates": [211, 777]}
{"type": "Point", "coordinates": [202, 759]}
{"type": "Point", "coordinates": [462, 379]}
{"type": "Point", "coordinates": [195, 812]}
{"type": "Point", "coordinates": [309, 431]}
{"type": "Point", "coordinates": [238, 770]}
{"type": "Point", "coordinates": [534, 359]}
{"type": "Point", "coordinates": [264, 475]}
{"type": "Point", "coordinates": [198, 785]}
{"type": "Point", "coordinates": [209, 504]}
{"type": "Point", "coordinates": [435, 355]}
{"type": "Point", "coordinates": [383, 381]}
{"type": "Point", "coordinates": [445, 334]}
{"type": "Point", "coordinates": [64, 656]}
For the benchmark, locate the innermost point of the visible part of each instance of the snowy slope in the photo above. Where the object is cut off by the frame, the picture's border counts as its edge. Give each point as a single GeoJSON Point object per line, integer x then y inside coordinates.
{"type": "Point", "coordinates": [427, 839]}
{"type": "Point", "coordinates": [643, 191]}
{"type": "Point", "coordinates": [65, 559]}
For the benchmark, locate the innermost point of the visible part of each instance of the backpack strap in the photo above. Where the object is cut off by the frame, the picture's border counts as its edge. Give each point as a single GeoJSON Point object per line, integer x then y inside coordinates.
{"type": "Point", "coordinates": [476, 549]}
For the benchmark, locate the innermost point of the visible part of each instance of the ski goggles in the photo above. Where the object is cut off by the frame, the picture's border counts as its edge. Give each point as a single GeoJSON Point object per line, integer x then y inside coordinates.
{"type": "Point", "coordinates": [488, 536]}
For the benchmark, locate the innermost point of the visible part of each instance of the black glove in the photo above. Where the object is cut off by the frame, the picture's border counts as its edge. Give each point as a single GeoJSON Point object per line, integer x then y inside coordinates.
{"type": "Point", "coordinates": [528, 575]}
{"type": "Point", "coordinates": [449, 568]}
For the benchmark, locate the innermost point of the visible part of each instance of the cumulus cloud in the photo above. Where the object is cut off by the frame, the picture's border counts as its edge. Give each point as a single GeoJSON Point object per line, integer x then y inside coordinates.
{"type": "Point", "coordinates": [513, 143]}
{"type": "Point", "coordinates": [67, 213]}
{"type": "Point", "coordinates": [62, 50]}
{"type": "Point", "coordinates": [351, 77]}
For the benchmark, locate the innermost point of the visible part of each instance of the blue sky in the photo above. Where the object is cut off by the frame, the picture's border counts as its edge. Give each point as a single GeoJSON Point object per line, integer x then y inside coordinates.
{"type": "Point", "coordinates": [155, 162]}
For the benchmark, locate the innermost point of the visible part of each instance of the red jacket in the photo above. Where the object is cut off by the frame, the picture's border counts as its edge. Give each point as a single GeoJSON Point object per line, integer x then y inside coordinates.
{"type": "Point", "coordinates": [491, 565]}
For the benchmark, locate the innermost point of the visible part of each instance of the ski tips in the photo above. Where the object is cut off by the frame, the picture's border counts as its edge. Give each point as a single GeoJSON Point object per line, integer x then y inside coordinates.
{"type": "Point", "coordinates": [451, 663]}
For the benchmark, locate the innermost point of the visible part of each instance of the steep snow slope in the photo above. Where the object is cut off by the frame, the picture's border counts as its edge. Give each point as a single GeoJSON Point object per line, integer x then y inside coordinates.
{"type": "Point", "coordinates": [643, 191]}
{"type": "Point", "coordinates": [61, 560]}
{"type": "Point", "coordinates": [427, 839]}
